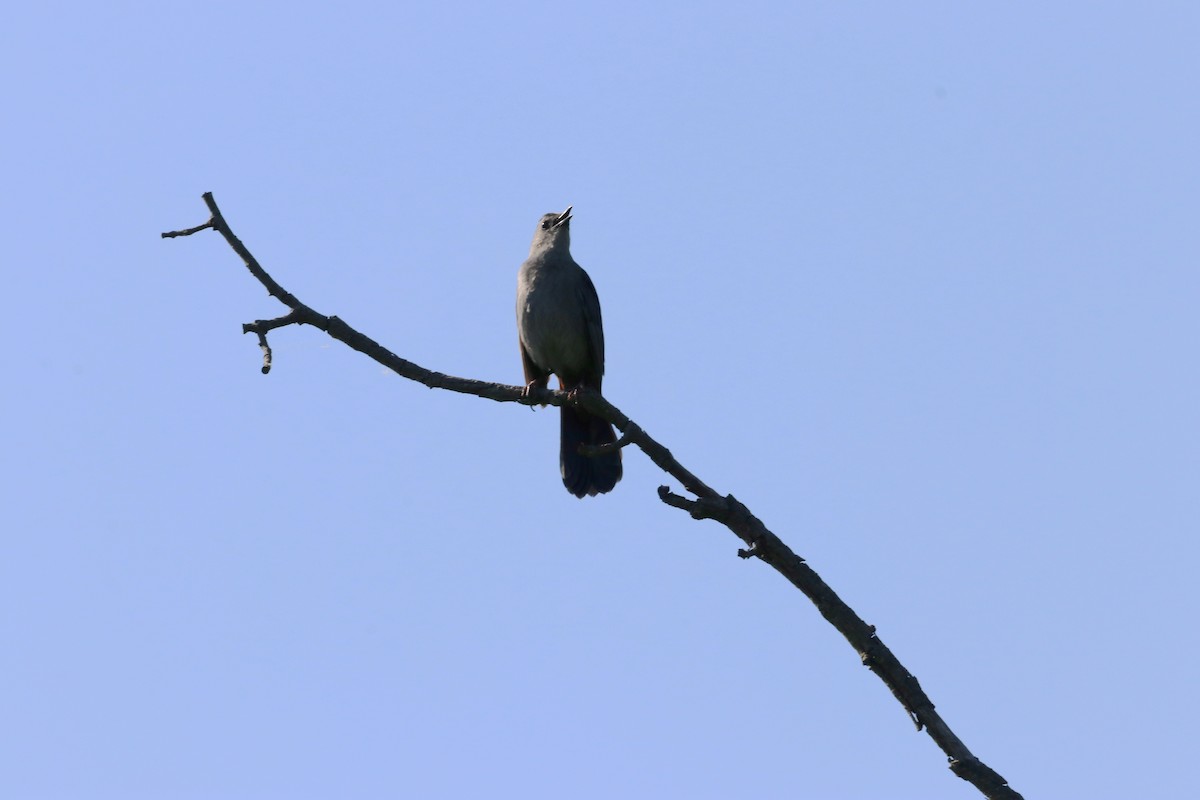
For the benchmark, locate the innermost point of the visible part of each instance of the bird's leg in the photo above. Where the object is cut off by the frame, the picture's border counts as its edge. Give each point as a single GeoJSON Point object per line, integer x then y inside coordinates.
{"type": "Point", "coordinates": [535, 377]}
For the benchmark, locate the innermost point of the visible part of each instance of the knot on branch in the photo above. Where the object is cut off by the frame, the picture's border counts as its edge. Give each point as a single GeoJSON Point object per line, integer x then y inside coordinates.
{"type": "Point", "coordinates": [715, 508]}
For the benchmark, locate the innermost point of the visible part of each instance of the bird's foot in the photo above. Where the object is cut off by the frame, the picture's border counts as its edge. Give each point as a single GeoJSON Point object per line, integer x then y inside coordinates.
{"type": "Point", "coordinates": [525, 392]}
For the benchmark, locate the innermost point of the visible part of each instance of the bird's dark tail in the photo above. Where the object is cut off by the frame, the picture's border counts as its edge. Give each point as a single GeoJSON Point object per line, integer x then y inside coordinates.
{"type": "Point", "coordinates": [587, 475]}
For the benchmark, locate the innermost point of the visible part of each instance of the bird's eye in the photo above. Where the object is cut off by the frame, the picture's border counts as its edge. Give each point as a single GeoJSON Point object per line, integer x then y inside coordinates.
{"type": "Point", "coordinates": [546, 225]}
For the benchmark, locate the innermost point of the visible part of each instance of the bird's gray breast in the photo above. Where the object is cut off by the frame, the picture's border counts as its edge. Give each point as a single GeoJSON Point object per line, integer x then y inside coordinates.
{"type": "Point", "coordinates": [550, 318]}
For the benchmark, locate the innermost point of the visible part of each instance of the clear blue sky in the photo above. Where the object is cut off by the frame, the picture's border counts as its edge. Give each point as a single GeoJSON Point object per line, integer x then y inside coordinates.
{"type": "Point", "coordinates": [917, 282]}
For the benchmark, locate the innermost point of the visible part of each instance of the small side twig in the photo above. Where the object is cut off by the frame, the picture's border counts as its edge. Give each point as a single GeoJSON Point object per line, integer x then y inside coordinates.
{"type": "Point", "coordinates": [261, 326]}
{"type": "Point", "coordinates": [626, 438]}
{"type": "Point", "coordinates": [187, 231]}
{"type": "Point", "coordinates": [266, 351]}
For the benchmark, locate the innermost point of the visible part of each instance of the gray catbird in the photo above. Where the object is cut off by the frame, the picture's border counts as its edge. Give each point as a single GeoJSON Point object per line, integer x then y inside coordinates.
{"type": "Point", "coordinates": [558, 323]}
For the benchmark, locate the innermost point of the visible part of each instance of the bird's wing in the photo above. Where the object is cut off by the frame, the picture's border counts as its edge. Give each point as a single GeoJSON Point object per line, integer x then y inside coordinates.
{"type": "Point", "coordinates": [589, 301]}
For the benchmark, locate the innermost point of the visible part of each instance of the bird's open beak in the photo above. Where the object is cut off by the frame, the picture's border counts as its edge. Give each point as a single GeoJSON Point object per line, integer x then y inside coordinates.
{"type": "Point", "coordinates": [563, 217]}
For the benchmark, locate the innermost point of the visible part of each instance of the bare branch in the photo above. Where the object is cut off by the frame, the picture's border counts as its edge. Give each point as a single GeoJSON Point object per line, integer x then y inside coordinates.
{"type": "Point", "coordinates": [709, 504]}
{"type": "Point", "coordinates": [187, 231]}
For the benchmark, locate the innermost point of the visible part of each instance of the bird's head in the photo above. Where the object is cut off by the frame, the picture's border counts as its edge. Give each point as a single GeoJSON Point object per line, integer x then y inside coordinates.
{"type": "Point", "coordinates": [553, 231]}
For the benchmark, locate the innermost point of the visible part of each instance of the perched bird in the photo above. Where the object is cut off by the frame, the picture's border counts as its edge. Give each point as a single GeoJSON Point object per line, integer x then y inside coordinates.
{"type": "Point", "coordinates": [560, 332]}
